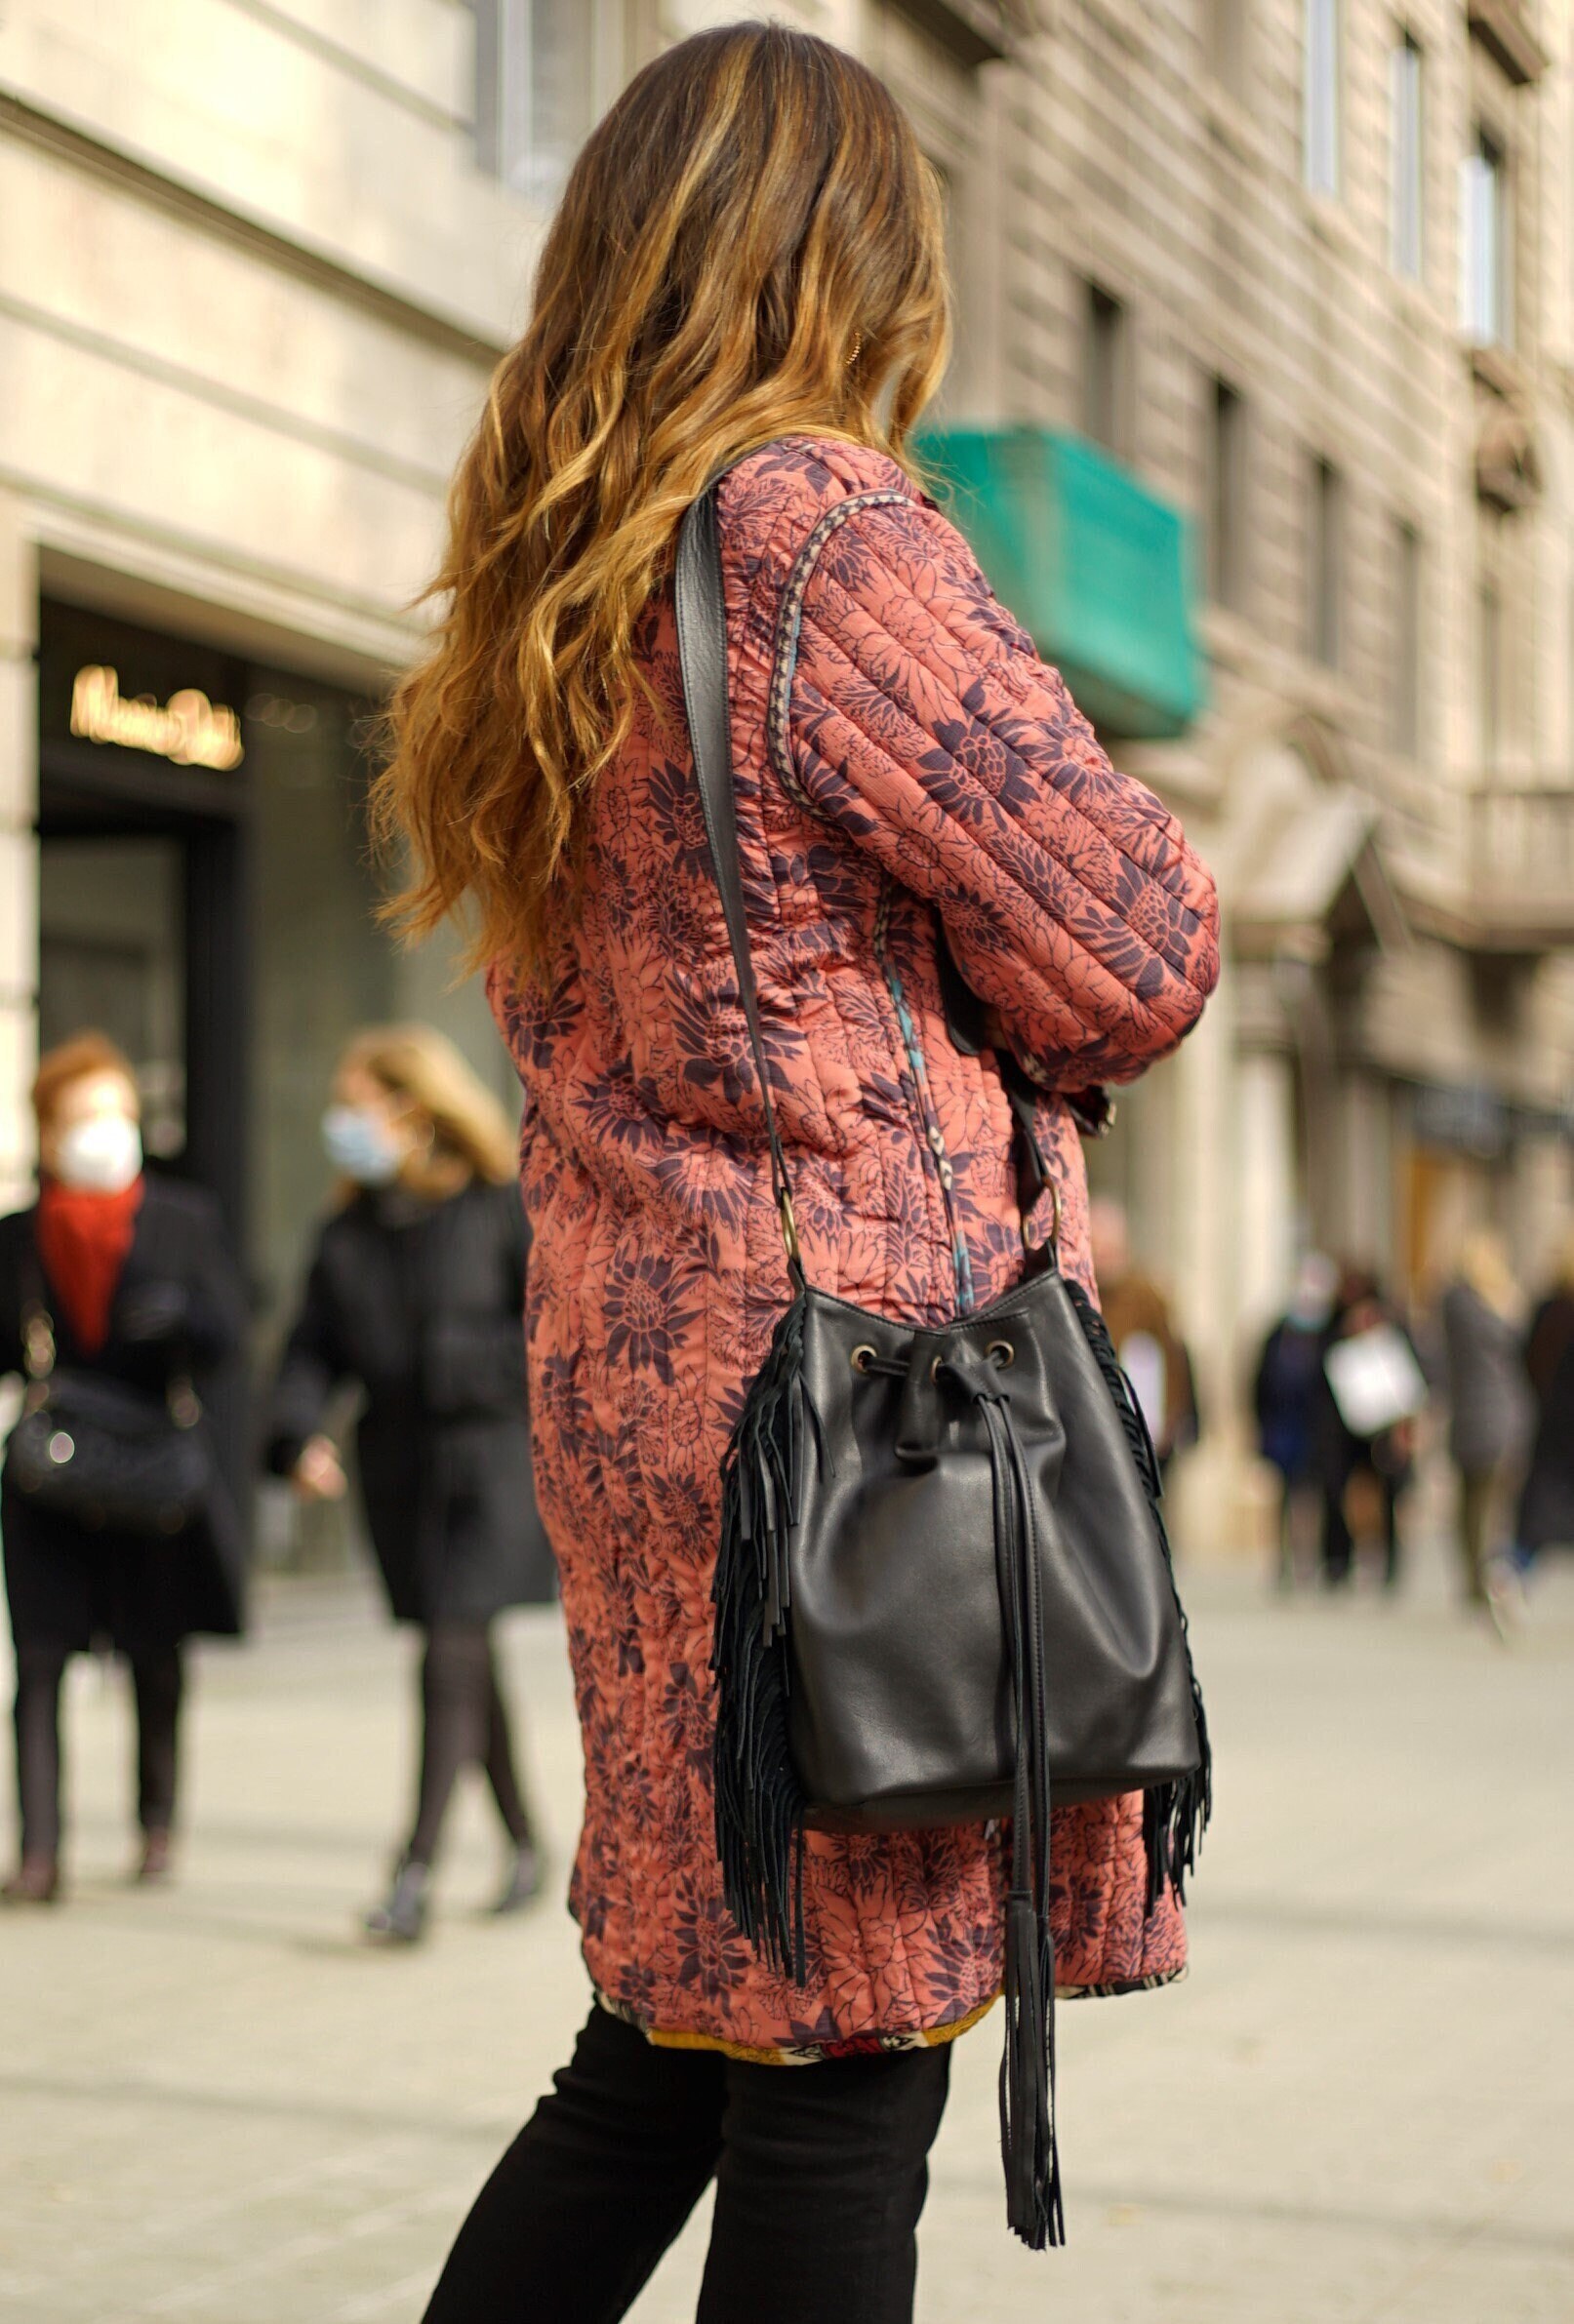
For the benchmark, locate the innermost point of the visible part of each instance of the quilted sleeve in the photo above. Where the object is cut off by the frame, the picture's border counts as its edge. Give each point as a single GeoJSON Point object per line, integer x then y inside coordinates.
{"type": "Point", "coordinates": [922, 724]}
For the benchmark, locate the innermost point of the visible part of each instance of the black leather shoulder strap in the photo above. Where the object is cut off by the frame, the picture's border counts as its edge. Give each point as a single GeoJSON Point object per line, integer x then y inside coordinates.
{"type": "Point", "coordinates": [702, 635]}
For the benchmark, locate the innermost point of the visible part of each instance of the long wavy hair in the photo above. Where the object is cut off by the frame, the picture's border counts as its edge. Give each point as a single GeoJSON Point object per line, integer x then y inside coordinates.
{"type": "Point", "coordinates": [749, 245]}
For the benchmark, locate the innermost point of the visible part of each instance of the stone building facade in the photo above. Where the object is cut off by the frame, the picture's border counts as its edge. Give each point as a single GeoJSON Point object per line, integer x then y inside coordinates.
{"type": "Point", "coordinates": [1263, 374]}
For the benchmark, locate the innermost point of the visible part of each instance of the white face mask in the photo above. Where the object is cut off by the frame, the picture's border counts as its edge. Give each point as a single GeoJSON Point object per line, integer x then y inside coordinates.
{"type": "Point", "coordinates": [101, 1155]}
{"type": "Point", "coordinates": [361, 1145]}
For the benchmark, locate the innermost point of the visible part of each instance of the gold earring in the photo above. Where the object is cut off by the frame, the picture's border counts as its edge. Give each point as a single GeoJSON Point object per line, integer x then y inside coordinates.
{"type": "Point", "coordinates": [856, 350]}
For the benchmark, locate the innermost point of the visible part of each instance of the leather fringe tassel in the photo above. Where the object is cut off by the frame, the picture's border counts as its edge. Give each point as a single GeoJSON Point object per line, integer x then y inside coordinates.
{"type": "Point", "coordinates": [1175, 1816]}
{"type": "Point", "coordinates": [1028, 2147]}
{"type": "Point", "coordinates": [759, 1803]}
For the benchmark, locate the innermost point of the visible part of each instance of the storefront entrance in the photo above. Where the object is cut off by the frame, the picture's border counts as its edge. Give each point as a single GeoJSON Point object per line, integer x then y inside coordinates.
{"type": "Point", "coordinates": [205, 898]}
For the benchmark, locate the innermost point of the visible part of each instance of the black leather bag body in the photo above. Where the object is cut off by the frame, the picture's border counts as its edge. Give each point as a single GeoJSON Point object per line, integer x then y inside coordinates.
{"type": "Point", "coordinates": [102, 1454]}
{"type": "Point", "coordinates": [944, 1591]}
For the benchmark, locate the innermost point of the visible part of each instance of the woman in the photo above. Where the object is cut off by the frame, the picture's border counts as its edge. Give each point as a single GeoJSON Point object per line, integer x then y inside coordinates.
{"type": "Point", "coordinates": [416, 1294]}
{"type": "Point", "coordinates": [1547, 1504]}
{"type": "Point", "coordinates": [746, 268]}
{"type": "Point", "coordinates": [1285, 1389]}
{"type": "Point", "coordinates": [126, 1278]}
{"type": "Point", "coordinates": [1489, 1403]}
{"type": "Point", "coordinates": [1353, 1460]}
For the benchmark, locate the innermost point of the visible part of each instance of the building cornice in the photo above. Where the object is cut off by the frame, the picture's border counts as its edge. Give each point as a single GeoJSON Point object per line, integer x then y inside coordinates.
{"type": "Point", "coordinates": [97, 158]}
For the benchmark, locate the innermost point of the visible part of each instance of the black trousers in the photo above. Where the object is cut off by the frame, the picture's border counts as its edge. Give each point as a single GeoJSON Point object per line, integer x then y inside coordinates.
{"type": "Point", "coordinates": [820, 2173]}
{"type": "Point", "coordinates": [1339, 1543]}
{"type": "Point", "coordinates": [158, 1680]}
{"type": "Point", "coordinates": [464, 1723]}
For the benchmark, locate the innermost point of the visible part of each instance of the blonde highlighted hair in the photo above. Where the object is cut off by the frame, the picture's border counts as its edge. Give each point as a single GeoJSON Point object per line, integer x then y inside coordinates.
{"type": "Point", "coordinates": [415, 1063]}
{"type": "Point", "coordinates": [749, 245]}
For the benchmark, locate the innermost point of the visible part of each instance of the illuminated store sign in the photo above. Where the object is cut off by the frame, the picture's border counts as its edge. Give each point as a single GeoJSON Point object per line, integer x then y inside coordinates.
{"type": "Point", "coordinates": [188, 729]}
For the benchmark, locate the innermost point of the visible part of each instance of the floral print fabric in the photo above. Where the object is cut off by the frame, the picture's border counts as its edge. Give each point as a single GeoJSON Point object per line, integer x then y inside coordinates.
{"type": "Point", "coordinates": [905, 765]}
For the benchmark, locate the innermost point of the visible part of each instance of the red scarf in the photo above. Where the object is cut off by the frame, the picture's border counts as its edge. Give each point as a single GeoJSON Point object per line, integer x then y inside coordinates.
{"type": "Point", "coordinates": [83, 1239]}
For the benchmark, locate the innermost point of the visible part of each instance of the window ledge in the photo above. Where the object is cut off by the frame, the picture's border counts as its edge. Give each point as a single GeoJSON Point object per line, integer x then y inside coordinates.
{"type": "Point", "coordinates": [1494, 368]}
{"type": "Point", "coordinates": [975, 31]}
{"type": "Point", "coordinates": [1331, 224]}
{"type": "Point", "coordinates": [1230, 639]}
{"type": "Point", "coordinates": [1233, 124]}
{"type": "Point", "coordinates": [1501, 27]}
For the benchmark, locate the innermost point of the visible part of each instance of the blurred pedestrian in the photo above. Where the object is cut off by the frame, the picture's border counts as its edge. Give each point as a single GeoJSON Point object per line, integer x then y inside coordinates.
{"type": "Point", "coordinates": [747, 274]}
{"type": "Point", "coordinates": [1138, 1316]}
{"type": "Point", "coordinates": [1370, 1396]}
{"type": "Point", "coordinates": [416, 1294]}
{"type": "Point", "coordinates": [1547, 1504]}
{"type": "Point", "coordinates": [1286, 1390]}
{"type": "Point", "coordinates": [1490, 1407]}
{"type": "Point", "coordinates": [119, 1304]}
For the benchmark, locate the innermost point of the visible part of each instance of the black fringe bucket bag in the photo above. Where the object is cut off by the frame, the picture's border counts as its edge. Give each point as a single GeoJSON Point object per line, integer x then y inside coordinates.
{"type": "Point", "coordinates": [944, 1592]}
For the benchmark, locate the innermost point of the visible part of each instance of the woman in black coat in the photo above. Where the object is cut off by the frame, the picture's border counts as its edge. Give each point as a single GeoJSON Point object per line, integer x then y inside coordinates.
{"type": "Point", "coordinates": [128, 1278]}
{"type": "Point", "coordinates": [416, 1294]}
{"type": "Point", "coordinates": [1547, 1504]}
{"type": "Point", "coordinates": [1383, 1462]}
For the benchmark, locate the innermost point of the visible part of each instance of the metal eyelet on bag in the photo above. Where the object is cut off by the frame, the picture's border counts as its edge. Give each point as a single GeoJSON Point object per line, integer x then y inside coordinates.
{"type": "Point", "coordinates": [863, 1356]}
{"type": "Point", "coordinates": [1002, 1354]}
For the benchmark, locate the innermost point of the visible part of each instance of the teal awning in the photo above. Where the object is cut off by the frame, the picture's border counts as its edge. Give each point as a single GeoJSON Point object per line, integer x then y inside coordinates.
{"type": "Point", "coordinates": [1096, 568]}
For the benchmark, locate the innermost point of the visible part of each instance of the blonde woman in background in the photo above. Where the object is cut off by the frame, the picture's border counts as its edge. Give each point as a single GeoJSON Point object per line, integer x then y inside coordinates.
{"type": "Point", "coordinates": [416, 1294]}
{"type": "Point", "coordinates": [1489, 1401]}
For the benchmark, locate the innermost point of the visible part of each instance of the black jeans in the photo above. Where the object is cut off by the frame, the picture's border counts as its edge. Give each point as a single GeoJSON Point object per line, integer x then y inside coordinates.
{"type": "Point", "coordinates": [158, 1680]}
{"type": "Point", "coordinates": [820, 2173]}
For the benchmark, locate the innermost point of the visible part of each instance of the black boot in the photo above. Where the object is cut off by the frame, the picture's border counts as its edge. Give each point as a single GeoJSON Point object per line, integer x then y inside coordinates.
{"type": "Point", "coordinates": [522, 1885]}
{"type": "Point", "coordinates": [401, 1917]}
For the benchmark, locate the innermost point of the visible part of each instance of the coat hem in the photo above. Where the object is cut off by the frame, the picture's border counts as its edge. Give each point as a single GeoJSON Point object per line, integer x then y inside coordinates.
{"type": "Point", "coordinates": [873, 2043]}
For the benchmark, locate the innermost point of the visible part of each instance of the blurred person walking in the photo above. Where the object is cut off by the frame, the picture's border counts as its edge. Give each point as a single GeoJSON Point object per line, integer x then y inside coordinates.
{"type": "Point", "coordinates": [1490, 1407]}
{"type": "Point", "coordinates": [1547, 1504]}
{"type": "Point", "coordinates": [1370, 1393]}
{"type": "Point", "coordinates": [416, 1294]}
{"type": "Point", "coordinates": [745, 275]}
{"type": "Point", "coordinates": [1139, 1319]}
{"type": "Point", "coordinates": [1285, 1392]}
{"type": "Point", "coordinates": [119, 1304]}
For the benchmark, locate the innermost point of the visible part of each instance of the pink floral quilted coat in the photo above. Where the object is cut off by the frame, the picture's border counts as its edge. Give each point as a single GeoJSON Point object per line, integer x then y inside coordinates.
{"type": "Point", "coordinates": [905, 764]}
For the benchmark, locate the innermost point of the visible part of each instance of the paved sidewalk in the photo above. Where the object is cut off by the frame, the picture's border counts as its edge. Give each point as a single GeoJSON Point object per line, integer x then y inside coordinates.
{"type": "Point", "coordinates": [217, 2108]}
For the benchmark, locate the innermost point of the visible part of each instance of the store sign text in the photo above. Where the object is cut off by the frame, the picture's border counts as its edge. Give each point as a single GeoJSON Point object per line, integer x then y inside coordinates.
{"type": "Point", "coordinates": [188, 729]}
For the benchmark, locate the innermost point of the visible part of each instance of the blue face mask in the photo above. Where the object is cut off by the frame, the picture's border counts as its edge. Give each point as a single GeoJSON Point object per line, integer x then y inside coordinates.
{"type": "Point", "coordinates": [361, 1145]}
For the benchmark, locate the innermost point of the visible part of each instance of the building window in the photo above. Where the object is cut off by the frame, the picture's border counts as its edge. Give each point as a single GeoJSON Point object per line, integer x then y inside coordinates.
{"type": "Point", "coordinates": [1486, 249]}
{"type": "Point", "coordinates": [534, 90]}
{"type": "Point", "coordinates": [1323, 565]}
{"type": "Point", "coordinates": [1320, 109]}
{"type": "Point", "coordinates": [1225, 24]}
{"type": "Point", "coordinates": [1406, 678]}
{"type": "Point", "coordinates": [1489, 672]}
{"type": "Point", "coordinates": [1407, 159]}
{"type": "Point", "coordinates": [1225, 507]}
{"type": "Point", "coordinates": [1104, 345]}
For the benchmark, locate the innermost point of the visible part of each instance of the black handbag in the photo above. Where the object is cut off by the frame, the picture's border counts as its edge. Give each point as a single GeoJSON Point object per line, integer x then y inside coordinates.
{"type": "Point", "coordinates": [944, 1592]}
{"type": "Point", "coordinates": [102, 1454]}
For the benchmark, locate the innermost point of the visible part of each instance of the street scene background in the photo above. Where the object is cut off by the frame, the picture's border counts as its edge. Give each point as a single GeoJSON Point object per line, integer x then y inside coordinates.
{"type": "Point", "coordinates": [1261, 421]}
{"type": "Point", "coordinates": [1358, 2106]}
